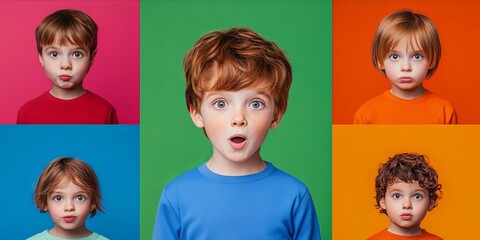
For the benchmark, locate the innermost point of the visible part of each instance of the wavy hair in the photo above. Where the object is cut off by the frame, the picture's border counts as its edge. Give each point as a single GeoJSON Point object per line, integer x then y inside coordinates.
{"type": "Point", "coordinates": [407, 167]}
{"type": "Point", "coordinates": [235, 59]}
{"type": "Point", "coordinates": [63, 170]}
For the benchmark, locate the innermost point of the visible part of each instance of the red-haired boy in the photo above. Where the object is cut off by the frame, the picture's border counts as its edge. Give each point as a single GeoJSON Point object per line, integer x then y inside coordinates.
{"type": "Point", "coordinates": [237, 89]}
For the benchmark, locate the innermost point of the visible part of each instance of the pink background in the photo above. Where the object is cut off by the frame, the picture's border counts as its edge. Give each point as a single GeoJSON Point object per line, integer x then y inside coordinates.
{"type": "Point", "coordinates": [114, 75]}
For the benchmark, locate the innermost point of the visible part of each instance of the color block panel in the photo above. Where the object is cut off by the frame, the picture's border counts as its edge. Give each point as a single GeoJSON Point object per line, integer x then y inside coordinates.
{"type": "Point", "coordinates": [171, 144]}
{"type": "Point", "coordinates": [357, 152]}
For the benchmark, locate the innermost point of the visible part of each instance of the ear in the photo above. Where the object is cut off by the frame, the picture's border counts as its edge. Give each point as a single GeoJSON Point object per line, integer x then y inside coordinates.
{"type": "Point", "coordinates": [382, 204]}
{"type": "Point", "coordinates": [196, 118]}
{"type": "Point", "coordinates": [92, 207]}
{"type": "Point", "coordinates": [276, 120]}
{"type": "Point", "coordinates": [40, 59]}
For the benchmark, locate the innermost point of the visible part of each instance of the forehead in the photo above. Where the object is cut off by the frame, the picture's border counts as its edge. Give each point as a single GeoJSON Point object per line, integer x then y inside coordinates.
{"type": "Point", "coordinates": [67, 185]}
{"type": "Point", "coordinates": [61, 39]}
{"type": "Point", "coordinates": [248, 91]}
{"type": "Point", "coordinates": [399, 185]}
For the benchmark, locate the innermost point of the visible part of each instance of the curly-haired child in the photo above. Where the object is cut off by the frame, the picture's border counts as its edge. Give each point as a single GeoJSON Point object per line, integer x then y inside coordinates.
{"type": "Point", "coordinates": [406, 189]}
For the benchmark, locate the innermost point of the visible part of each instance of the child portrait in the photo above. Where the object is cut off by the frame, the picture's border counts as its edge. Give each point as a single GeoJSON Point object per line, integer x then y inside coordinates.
{"type": "Point", "coordinates": [358, 153]}
{"type": "Point", "coordinates": [113, 70]}
{"type": "Point", "coordinates": [356, 79]}
{"type": "Point", "coordinates": [112, 152]}
{"type": "Point", "coordinates": [293, 146]}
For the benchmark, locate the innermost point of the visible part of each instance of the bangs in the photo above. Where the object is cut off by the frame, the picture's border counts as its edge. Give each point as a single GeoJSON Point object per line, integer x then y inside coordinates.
{"type": "Point", "coordinates": [67, 27]}
{"type": "Point", "coordinates": [231, 77]}
{"type": "Point", "coordinates": [63, 37]}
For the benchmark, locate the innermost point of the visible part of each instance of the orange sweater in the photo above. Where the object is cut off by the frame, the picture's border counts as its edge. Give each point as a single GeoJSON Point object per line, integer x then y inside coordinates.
{"type": "Point", "coordinates": [386, 235]}
{"type": "Point", "coordinates": [389, 109]}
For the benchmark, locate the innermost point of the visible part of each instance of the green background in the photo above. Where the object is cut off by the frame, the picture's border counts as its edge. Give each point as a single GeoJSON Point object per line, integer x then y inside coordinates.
{"type": "Point", "coordinates": [170, 143]}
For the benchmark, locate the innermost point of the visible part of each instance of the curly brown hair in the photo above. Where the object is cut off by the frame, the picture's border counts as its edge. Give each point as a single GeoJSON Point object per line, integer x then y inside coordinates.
{"type": "Point", "coordinates": [407, 167]}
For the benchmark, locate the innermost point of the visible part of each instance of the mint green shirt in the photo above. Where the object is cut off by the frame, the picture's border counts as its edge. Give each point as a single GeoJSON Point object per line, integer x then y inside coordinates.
{"type": "Point", "coordinates": [45, 235]}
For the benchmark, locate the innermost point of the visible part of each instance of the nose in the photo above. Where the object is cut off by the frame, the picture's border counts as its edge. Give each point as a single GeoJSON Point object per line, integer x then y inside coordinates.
{"type": "Point", "coordinates": [238, 119]}
{"type": "Point", "coordinates": [406, 66]}
{"type": "Point", "coordinates": [69, 206]}
{"type": "Point", "coordinates": [65, 63]}
{"type": "Point", "coordinates": [407, 204]}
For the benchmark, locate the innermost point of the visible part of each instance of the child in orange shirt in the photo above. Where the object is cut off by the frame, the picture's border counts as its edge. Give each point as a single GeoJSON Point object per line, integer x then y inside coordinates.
{"type": "Point", "coordinates": [406, 49]}
{"type": "Point", "coordinates": [407, 187]}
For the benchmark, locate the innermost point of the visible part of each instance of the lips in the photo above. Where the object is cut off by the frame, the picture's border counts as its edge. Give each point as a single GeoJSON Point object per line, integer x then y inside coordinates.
{"type": "Point", "coordinates": [65, 77]}
{"type": "Point", "coordinates": [237, 141]}
{"type": "Point", "coordinates": [406, 216]}
{"type": "Point", "coordinates": [405, 79]}
{"type": "Point", "coordinates": [69, 219]}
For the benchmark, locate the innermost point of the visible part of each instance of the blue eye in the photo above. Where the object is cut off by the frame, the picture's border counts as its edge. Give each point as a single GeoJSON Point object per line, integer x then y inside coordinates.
{"type": "Point", "coordinates": [220, 104]}
{"type": "Point", "coordinates": [417, 196]}
{"type": "Point", "coordinates": [418, 56]}
{"type": "Point", "coordinates": [54, 54]}
{"type": "Point", "coordinates": [57, 198]}
{"type": "Point", "coordinates": [257, 104]}
{"type": "Point", "coordinates": [77, 54]}
{"type": "Point", "coordinates": [81, 198]}
{"type": "Point", "coordinates": [396, 196]}
{"type": "Point", "coordinates": [394, 57]}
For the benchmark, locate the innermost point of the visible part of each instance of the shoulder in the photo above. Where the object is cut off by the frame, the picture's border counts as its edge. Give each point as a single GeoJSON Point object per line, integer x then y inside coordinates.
{"type": "Point", "coordinates": [96, 236]}
{"type": "Point", "coordinates": [40, 236]}
{"type": "Point", "coordinates": [379, 99]}
{"type": "Point", "coordinates": [280, 177]}
{"type": "Point", "coordinates": [434, 98]}
{"type": "Point", "coordinates": [40, 100]}
{"type": "Point", "coordinates": [428, 236]}
{"type": "Point", "coordinates": [94, 98]}
{"type": "Point", "coordinates": [371, 107]}
{"type": "Point", "coordinates": [184, 180]}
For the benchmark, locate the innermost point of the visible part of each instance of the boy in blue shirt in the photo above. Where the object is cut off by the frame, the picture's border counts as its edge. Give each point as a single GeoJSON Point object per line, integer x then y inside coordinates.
{"type": "Point", "coordinates": [237, 87]}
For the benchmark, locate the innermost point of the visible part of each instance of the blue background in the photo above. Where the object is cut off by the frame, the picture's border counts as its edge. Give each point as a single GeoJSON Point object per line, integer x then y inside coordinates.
{"type": "Point", "coordinates": [112, 151]}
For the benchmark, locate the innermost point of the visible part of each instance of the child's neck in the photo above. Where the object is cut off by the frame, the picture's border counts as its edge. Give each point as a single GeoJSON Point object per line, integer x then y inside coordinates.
{"type": "Point", "coordinates": [408, 94]}
{"type": "Point", "coordinates": [67, 94]}
{"type": "Point", "coordinates": [411, 231]}
{"type": "Point", "coordinates": [233, 168]}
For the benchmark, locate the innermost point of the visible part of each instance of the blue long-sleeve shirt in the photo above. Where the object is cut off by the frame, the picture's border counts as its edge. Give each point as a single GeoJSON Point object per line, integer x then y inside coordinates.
{"type": "Point", "coordinates": [271, 204]}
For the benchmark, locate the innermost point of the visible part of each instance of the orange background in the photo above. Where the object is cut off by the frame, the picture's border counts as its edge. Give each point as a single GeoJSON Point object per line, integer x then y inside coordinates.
{"type": "Point", "coordinates": [358, 150]}
{"type": "Point", "coordinates": [355, 80]}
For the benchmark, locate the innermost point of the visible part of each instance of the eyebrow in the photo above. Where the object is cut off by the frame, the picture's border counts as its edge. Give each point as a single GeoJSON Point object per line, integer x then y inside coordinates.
{"type": "Point", "coordinates": [58, 47]}
{"type": "Point", "coordinates": [414, 190]}
{"type": "Point", "coordinates": [56, 191]}
{"type": "Point", "coordinates": [220, 92]}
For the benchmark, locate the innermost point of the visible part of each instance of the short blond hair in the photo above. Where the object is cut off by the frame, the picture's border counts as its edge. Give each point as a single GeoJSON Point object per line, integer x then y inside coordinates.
{"type": "Point", "coordinates": [61, 171]}
{"type": "Point", "coordinates": [417, 28]}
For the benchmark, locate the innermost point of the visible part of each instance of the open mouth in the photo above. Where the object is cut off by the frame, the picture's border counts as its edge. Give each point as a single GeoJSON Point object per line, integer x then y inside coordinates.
{"type": "Point", "coordinates": [237, 139]}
